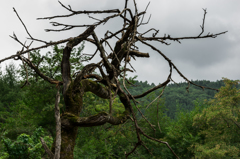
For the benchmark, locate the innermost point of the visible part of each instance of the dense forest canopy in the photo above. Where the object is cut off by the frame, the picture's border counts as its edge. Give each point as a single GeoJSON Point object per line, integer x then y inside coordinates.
{"type": "Point", "coordinates": [26, 116]}
{"type": "Point", "coordinates": [176, 94]}
{"type": "Point", "coordinates": [81, 97]}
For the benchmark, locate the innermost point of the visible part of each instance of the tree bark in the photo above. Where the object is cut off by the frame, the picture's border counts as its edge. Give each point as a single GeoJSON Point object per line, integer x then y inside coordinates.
{"type": "Point", "coordinates": [70, 120]}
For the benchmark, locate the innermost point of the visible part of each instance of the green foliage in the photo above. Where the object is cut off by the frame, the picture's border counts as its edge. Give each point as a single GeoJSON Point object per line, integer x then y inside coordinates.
{"type": "Point", "coordinates": [40, 102]}
{"type": "Point", "coordinates": [26, 146]}
{"type": "Point", "coordinates": [177, 93]}
{"type": "Point", "coordinates": [23, 110]}
{"type": "Point", "coordinates": [219, 124]}
{"type": "Point", "coordinates": [181, 134]}
{"type": "Point", "coordinates": [192, 127]}
{"type": "Point", "coordinates": [108, 141]}
{"type": "Point", "coordinates": [50, 63]}
{"type": "Point", "coordinates": [97, 142]}
{"type": "Point", "coordinates": [210, 130]}
{"type": "Point", "coordinates": [12, 107]}
{"type": "Point", "coordinates": [9, 87]}
{"type": "Point", "coordinates": [40, 94]}
{"type": "Point", "coordinates": [94, 149]}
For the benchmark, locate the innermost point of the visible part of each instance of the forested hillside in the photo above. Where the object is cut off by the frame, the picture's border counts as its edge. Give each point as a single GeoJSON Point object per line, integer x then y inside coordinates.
{"type": "Point", "coordinates": [176, 94]}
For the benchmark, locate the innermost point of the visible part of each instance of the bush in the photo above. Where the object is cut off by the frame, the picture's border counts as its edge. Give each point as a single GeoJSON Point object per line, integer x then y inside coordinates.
{"type": "Point", "coordinates": [26, 146]}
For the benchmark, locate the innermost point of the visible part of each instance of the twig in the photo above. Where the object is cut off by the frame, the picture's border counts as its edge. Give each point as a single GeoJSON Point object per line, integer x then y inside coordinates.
{"type": "Point", "coordinates": [183, 38]}
{"type": "Point", "coordinates": [144, 14]}
{"type": "Point", "coordinates": [50, 154]}
{"type": "Point", "coordinates": [124, 20]}
{"type": "Point", "coordinates": [158, 97]}
{"type": "Point", "coordinates": [202, 26]}
{"type": "Point", "coordinates": [22, 22]}
{"type": "Point", "coordinates": [163, 142]}
{"type": "Point", "coordinates": [27, 29]}
{"type": "Point", "coordinates": [81, 12]}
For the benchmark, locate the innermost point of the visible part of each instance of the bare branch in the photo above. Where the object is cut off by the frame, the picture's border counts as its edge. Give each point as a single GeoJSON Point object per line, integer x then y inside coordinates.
{"type": "Point", "coordinates": [144, 14]}
{"type": "Point", "coordinates": [50, 80]}
{"type": "Point", "coordinates": [36, 48]}
{"type": "Point", "coordinates": [50, 154]}
{"type": "Point", "coordinates": [202, 26]}
{"type": "Point", "coordinates": [86, 72]}
{"type": "Point", "coordinates": [138, 54]}
{"type": "Point", "coordinates": [152, 47]}
{"type": "Point", "coordinates": [147, 21]}
{"type": "Point", "coordinates": [93, 76]}
{"type": "Point", "coordinates": [102, 51]}
{"type": "Point", "coordinates": [69, 9]}
{"type": "Point", "coordinates": [65, 26]}
{"type": "Point", "coordinates": [159, 142]}
{"type": "Point", "coordinates": [152, 89]}
{"type": "Point", "coordinates": [92, 56]}
{"type": "Point", "coordinates": [113, 53]}
{"type": "Point", "coordinates": [81, 12]}
{"type": "Point", "coordinates": [96, 24]}
{"type": "Point", "coordinates": [135, 5]}
{"type": "Point", "coordinates": [170, 62]}
{"type": "Point", "coordinates": [112, 35]}
{"type": "Point", "coordinates": [15, 38]}
{"type": "Point", "coordinates": [183, 38]}
{"type": "Point", "coordinates": [94, 120]}
{"type": "Point", "coordinates": [58, 126]}
{"type": "Point", "coordinates": [237, 124]}
{"type": "Point", "coordinates": [158, 115]}
{"type": "Point", "coordinates": [154, 34]}
{"type": "Point", "coordinates": [135, 147]}
{"type": "Point", "coordinates": [146, 148]}
{"type": "Point", "coordinates": [27, 29]}
{"type": "Point", "coordinates": [151, 125]}
{"type": "Point", "coordinates": [124, 20]}
{"type": "Point", "coordinates": [22, 22]}
{"type": "Point", "coordinates": [158, 97]}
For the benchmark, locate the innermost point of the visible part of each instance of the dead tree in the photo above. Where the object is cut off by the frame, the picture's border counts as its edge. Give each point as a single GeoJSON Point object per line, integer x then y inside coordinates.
{"type": "Point", "coordinates": [106, 85]}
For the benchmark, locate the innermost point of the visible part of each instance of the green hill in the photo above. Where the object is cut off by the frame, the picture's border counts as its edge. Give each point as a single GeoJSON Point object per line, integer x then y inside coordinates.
{"type": "Point", "coordinates": [177, 95]}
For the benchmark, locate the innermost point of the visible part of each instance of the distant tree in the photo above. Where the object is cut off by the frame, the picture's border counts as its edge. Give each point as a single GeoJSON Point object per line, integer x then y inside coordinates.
{"type": "Point", "coordinates": [219, 124]}
{"type": "Point", "coordinates": [105, 85]}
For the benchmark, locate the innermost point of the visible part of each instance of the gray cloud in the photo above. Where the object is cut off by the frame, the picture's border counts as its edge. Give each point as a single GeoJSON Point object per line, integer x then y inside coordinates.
{"type": "Point", "coordinates": [197, 59]}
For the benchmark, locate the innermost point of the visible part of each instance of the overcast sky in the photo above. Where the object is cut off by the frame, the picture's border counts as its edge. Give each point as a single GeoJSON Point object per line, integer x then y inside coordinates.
{"type": "Point", "coordinates": [203, 59]}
